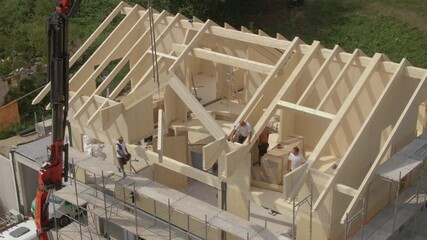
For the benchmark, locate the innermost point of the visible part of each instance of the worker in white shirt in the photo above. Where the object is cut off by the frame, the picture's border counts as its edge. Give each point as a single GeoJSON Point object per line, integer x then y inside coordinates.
{"type": "Point", "coordinates": [122, 155]}
{"type": "Point", "coordinates": [241, 132]}
{"type": "Point", "coordinates": [295, 159]}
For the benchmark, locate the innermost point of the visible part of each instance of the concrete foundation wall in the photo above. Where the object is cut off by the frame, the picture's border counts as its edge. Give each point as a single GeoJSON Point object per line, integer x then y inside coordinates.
{"type": "Point", "coordinates": [8, 196]}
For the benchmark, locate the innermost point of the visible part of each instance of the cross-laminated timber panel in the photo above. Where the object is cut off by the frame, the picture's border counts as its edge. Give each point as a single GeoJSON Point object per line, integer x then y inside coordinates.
{"type": "Point", "coordinates": [394, 137]}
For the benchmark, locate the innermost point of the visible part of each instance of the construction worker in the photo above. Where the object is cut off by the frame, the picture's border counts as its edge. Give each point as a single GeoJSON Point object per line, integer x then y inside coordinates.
{"type": "Point", "coordinates": [241, 132]}
{"type": "Point", "coordinates": [295, 159]}
{"type": "Point", "coordinates": [122, 155]}
{"type": "Point", "coordinates": [263, 142]}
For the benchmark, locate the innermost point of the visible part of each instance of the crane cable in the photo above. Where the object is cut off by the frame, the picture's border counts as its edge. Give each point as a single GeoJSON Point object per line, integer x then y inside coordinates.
{"type": "Point", "coordinates": [153, 47]}
{"type": "Point", "coordinates": [156, 79]}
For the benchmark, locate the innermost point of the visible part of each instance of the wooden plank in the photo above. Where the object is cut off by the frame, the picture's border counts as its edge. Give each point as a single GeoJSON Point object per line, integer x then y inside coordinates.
{"type": "Point", "coordinates": [339, 78]}
{"type": "Point", "coordinates": [319, 73]}
{"type": "Point", "coordinates": [212, 151]}
{"type": "Point", "coordinates": [290, 178]}
{"type": "Point", "coordinates": [305, 110]}
{"type": "Point", "coordinates": [371, 172]}
{"type": "Point", "coordinates": [226, 59]}
{"type": "Point", "coordinates": [193, 41]}
{"type": "Point", "coordinates": [84, 47]}
{"type": "Point", "coordinates": [347, 190]}
{"type": "Point", "coordinates": [367, 73]}
{"type": "Point", "coordinates": [192, 103]}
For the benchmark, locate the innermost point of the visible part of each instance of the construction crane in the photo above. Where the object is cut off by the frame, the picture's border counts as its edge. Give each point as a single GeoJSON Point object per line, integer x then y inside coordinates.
{"type": "Point", "coordinates": [56, 167]}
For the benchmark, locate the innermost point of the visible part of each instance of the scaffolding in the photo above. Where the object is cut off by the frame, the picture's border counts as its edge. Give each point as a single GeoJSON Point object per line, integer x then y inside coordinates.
{"type": "Point", "coordinates": [400, 166]}
{"type": "Point", "coordinates": [295, 207]}
{"type": "Point", "coordinates": [113, 200]}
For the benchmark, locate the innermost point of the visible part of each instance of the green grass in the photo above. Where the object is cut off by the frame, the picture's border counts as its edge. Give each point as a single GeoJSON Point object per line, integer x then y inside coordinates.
{"type": "Point", "coordinates": [354, 24]}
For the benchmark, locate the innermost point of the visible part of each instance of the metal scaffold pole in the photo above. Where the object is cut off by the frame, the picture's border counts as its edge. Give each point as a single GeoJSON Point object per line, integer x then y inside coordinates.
{"type": "Point", "coordinates": [76, 193]}
{"type": "Point", "coordinates": [105, 206]}
{"type": "Point", "coordinates": [295, 207]}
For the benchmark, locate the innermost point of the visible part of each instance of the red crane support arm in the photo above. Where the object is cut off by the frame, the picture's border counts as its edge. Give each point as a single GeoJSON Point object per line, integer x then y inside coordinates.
{"type": "Point", "coordinates": [56, 167]}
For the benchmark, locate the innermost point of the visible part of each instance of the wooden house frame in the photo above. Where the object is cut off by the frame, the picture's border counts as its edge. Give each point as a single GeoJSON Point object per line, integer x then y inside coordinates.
{"type": "Point", "coordinates": [353, 111]}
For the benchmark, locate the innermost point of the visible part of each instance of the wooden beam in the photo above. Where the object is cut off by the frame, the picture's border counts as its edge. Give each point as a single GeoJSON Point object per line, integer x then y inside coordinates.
{"type": "Point", "coordinates": [193, 41]}
{"type": "Point", "coordinates": [355, 92]}
{"type": "Point", "coordinates": [212, 151]}
{"type": "Point", "coordinates": [118, 48]}
{"type": "Point", "coordinates": [338, 79]}
{"type": "Point", "coordinates": [233, 160]}
{"type": "Point", "coordinates": [194, 105]}
{"type": "Point", "coordinates": [178, 167]}
{"type": "Point", "coordinates": [379, 104]}
{"type": "Point", "coordinates": [265, 85]}
{"type": "Point", "coordinates": [147, 74]}
{"type": "Point", "coordinates": [228, 26]}
{"type": "Point", "coordinates": [83, 108]}
{"type": "Point", "coordinates": [309, 89]}
{"type": "Point", "coordinates": [242, 36]}
{"type": "Point", "coordinates": [226, 59]}
{"type": "Point", "coordinates": [85, 46]}
{"type": "Point", "coordinates": [127, 78]}
{"type": "Point", "coordinates": [142, 93]}
{"type": "Point", "coordinates": [104, 84]}
{"type": "Point", "coordinates": [305, 110]}
{"type": "Point", "coordinates": [280, 37]}
{"type": "Point", "coordinates": [98, 32]}
{"type": "Point", "coordinates": [95, 114]}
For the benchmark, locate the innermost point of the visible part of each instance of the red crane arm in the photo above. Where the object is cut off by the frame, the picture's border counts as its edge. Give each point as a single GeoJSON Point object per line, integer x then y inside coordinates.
{"type": "Point", "coordinates": [56, 167]}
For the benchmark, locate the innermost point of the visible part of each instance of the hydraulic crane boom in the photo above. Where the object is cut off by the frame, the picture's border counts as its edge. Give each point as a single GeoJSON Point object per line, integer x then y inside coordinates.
{"type": "Point", "coordinates": [56, 167]}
